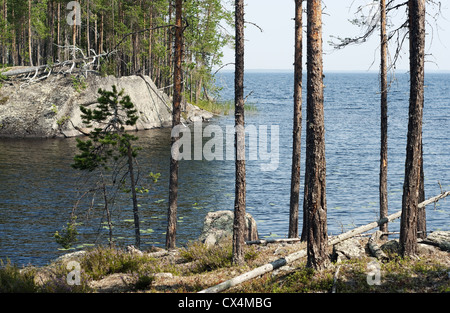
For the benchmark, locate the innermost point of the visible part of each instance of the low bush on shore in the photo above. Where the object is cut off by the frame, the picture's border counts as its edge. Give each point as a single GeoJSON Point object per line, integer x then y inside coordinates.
{"type": "Point", "coordinates": [198, 266]}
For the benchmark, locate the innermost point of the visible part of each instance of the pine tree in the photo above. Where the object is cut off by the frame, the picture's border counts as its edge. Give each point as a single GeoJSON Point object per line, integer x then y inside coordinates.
{"type": "Point", "coordinates": [240, 179]}
{"type": "Point", "coordinates": [413, 166]}
{"type": "Point", "coordinates": [36, 33]}
{"type": "Point", "coordinates": [297, 127]}
{"type": "Point", "coordinates": [383, 191]}
{"type": "Point", "coordinates": [315, 204]}
{"type": "Point", "coordinates": [108, 142]}
{"type": "Point", "coordinates": [176, 114]}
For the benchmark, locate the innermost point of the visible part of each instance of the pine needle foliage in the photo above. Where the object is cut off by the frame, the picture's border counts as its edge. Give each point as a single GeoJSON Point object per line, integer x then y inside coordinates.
{"type": "Point", "coordinates": [108, 139]}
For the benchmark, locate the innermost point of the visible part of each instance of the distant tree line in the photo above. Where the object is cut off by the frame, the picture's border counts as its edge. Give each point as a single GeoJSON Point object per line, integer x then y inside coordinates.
{"type": "Point", "coordinates": [37, 32]}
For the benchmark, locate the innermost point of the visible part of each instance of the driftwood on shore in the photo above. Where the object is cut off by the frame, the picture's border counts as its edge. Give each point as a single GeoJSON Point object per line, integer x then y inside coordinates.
{"type": "Point", "coordinates": [17, 71]}
{"type": "Point", "coordinates": [374, 247]}
{"type": "Point", "coordinates": [32, 72]}
{"type": "Point", "coordinates": [299, 254]}
{"type": "Point", "coordinates": [267, 241]}
{"type": "Point", "coordinates": [390, 218]}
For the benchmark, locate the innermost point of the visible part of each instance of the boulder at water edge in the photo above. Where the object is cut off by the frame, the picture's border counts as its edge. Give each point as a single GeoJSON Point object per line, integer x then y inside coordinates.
{"type": "Point", "coordinates": [219, 224]}
{"type": "Point", "coordinates": [440, 239]}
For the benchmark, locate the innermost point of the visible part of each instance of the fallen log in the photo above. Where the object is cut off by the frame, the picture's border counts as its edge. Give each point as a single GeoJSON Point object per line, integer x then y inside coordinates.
{"type": "Point", "coordinates": [36, 69]}
{"type": "Point", "coordinates": [299, 254]}
{"type": "Point", "coordinates": [362, 229]}
{"type": "Point", "coordinates": [256, 272]}
{"type": "Point", "coordinates": [390, 218]}
{"type": "Point", "coordinates": [375, 248]}
{"type": "Point", "coordinates": [22, 70]}
{"type": "Point", "coordinates": [335, 279]}
{"type": "Point", "coordinates": [434, 199]}
{"type": "Point", "coordinates": [267, 241]}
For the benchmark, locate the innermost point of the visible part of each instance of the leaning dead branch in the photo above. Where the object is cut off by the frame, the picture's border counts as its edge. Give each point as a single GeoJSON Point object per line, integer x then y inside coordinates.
{"type": "Point", "coordinates": [374, 247]}
{"type": "Point", "coordinates": [335, 280]}
{"type": "Point", "coordinates": [299, 254]}
{"type": "Point", "coordinates": [268, 241]}
{"type": "Point", "coordinates": [81, 65]}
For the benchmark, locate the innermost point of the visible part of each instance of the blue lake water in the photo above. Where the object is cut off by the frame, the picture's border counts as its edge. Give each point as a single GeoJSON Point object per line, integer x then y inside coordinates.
{"type": "Point", "coordinates": [38, 188]}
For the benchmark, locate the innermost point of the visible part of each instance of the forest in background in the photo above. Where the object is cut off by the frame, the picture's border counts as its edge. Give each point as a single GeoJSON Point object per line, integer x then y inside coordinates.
{"type": "Point", "coordinates": [138, 35]}
{"type": "Point", "coordinates": [178, 42]}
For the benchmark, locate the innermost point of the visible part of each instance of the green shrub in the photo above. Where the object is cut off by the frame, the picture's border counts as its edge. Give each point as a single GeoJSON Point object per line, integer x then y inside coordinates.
{"type": "Point", "coordinates": [68, 235]}
{"type": "Point", "coordinates": [57, 282]}
{"type": "Point", "coordinates": [144, 281]}
{"type": "Point", "coordinates": [13, 281]}
{"type": "Point", "coordinates": [79, 83]}
{"type": "Point", "coordinates": [208, 258]}
{"type": "Point", "coordinates": [102, 261]}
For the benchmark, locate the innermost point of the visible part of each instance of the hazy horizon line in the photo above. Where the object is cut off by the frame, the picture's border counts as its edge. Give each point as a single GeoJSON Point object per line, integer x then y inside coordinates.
{"type": "Point", "coordinates": [401, 71]}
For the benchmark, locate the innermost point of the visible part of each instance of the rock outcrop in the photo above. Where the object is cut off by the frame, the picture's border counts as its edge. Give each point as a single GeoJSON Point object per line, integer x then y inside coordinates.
{"type": "Point", "coordinates": [50, 108]}
{"type": "Point", "coordinates": [348, 249]}
{"type": "Point", "coordinates": [219, 224]}
{"type": "Point", "coordinates": [440, 239]}
{"type": "Point", "coordinates": [356, 248]}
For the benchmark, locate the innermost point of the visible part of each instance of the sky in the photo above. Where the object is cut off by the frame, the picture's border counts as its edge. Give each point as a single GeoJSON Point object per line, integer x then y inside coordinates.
{"type": "Point", "coordinates": [274, 47]}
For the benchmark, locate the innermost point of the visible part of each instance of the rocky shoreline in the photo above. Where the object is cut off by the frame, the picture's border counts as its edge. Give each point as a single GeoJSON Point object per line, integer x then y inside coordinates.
{"type": "Point", "coordinates": [350, 250]}
{"type": "Point", "coordinates": [435, 248]}
{"type": "Point", "coordinates": [50, 108]}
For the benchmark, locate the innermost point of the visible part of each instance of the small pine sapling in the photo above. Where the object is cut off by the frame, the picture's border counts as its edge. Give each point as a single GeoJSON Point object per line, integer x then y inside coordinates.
{"type": "Point", "coordinates": [108, 142]}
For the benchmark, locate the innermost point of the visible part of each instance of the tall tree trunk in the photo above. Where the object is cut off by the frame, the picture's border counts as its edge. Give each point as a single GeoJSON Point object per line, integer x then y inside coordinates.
{"type": "Point", "coordinates": [169, 49]}
{"type": "Point", "coordinates": [297, 129]}
{"type": "Point", "coordinates": [240, 183]}
{"type": "Point", "coordinates": [102, 29]}
{"type": "Point", "coordinates": [5, 47]}
{"type": "Point", "coordinates": [50, 41]}
{"type": "Point", "coordinates": [178, 72]}
{"type": "Point", "coordinates": [422, 214]}
{"type": "Point", "coordinates": [315, 174]}
{"type": "Point", "coordinates": [38, 53]}
{"type": "Point", "coordinates": [150, 36]}
{"type": "Point", "coordinates": [411, 186]}
{"type": "Point", "coordinates": [198, 91]}
{"type": "Point", "coordinates": [15, 50]}
{"type": "Point", "coordinates": [30, 49]}
{"type": "Point", "coordinates": [108, 212]}
{"type": "Point", "coordinates": [58, 32]}
{"type": "Point", "coordinates": [384, 120]}
{"type": "Point", "coordinates": [74, 33]}
{"type": "Point", "coordinates": [96, 34]}
{"type": "Point", "coordinates": [88, 31]}
{"type": "Point", "coordinates": [137, 232]}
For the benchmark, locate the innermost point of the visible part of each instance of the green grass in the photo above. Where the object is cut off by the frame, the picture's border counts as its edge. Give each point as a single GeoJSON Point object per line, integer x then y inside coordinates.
{"type": "Point", "coordinates": [102, 261]}
{"type": "Point", "coordinates": [198, 266]}
{"type": "Point", "coordinates": [302, 280]}
{"type": "Point", "coordinates": [397, 276]}
{"type": "Point", "coordinates": [12, 280]}
{"type": "Point", "coordinates": [209, 258]}
{"type": "Point", "coordinates": [224, 107]}
{"type": "Point", "coordinates": [16, 280]}
{"type": "Point", "coordinates": [98, 263]}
